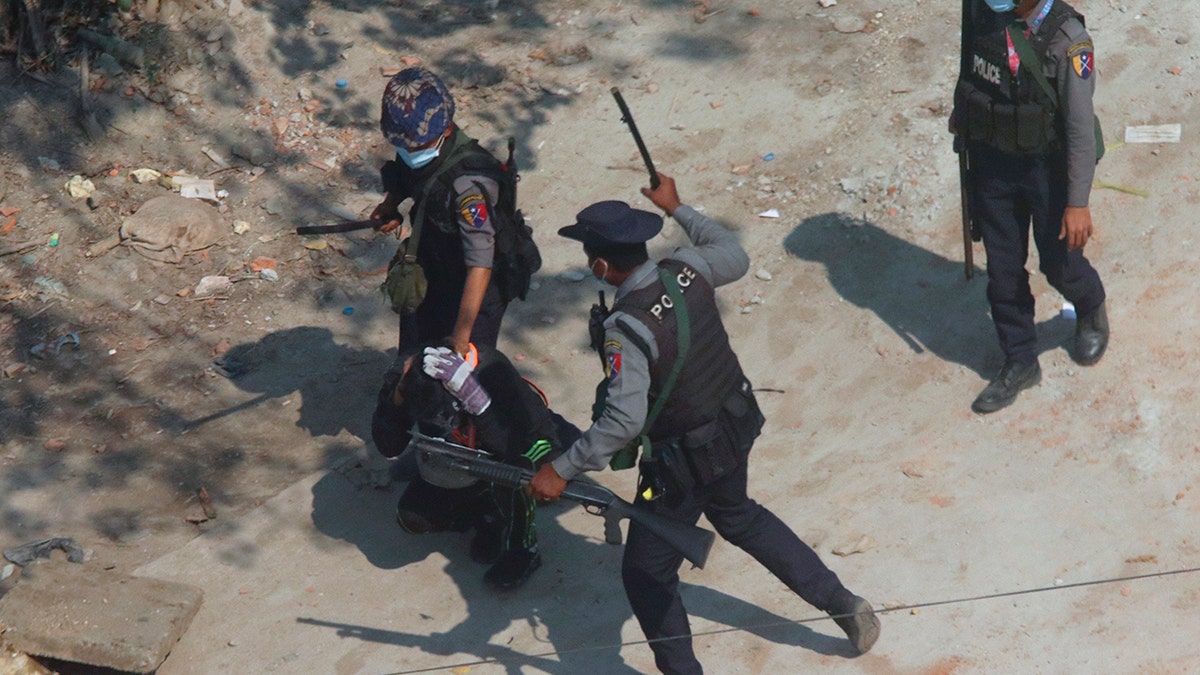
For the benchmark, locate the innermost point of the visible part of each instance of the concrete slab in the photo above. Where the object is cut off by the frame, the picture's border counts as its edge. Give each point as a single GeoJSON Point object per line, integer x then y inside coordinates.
{"type": "Point", "coordinates": [83, 614]}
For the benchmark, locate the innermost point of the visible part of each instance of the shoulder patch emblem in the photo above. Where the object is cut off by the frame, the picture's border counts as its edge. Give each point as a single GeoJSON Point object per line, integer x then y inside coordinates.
{"type": "Point", "coordinates": [474, 210]}
{"type": "Point", "coordinates": [1083, 63]}
{"type": "Point", "coordinates": [612, 344]}
{"type": "Point", "coordinates": [612, 366]}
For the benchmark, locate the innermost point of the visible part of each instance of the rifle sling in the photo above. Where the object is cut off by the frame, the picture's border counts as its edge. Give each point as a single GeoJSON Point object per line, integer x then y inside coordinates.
{"type": "Point", "coordinates": [453, 157]}
{"type": "Point", "coordinates": [683, 339]}
{"type": "Point", "coordinates": [1032, 64]}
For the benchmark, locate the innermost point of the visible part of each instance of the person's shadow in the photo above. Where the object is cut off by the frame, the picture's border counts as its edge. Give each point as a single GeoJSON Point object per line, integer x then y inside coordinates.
{"type": "Point", "coordinates": [576, 608]}
{"type": "Point", "coordinates": [337, 383]}
{"type": "Point", "coordinates": [576, 598]}
{"type": "Point", "coordinates": [919, 294]}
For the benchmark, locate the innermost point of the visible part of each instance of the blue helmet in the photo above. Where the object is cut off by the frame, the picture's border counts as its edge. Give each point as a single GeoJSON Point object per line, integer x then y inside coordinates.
{"type": "Point", "coordinates": [417, 108]}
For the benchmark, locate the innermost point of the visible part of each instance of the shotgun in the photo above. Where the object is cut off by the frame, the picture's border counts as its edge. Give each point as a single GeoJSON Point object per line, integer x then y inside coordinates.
{"type": "Point", "coordinates": [692, 542]}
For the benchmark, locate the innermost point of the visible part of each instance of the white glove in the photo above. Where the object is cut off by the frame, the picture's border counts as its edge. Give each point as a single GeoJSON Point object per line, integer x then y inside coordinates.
{"type": "Point", "coordinates": [455, 374]}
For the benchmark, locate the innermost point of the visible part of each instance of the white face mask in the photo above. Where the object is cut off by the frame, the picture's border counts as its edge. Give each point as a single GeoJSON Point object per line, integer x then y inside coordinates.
{"type": "Point", "coordinates": [1001, 5]}
{"type": "Point", "coordinates": [416, 159]}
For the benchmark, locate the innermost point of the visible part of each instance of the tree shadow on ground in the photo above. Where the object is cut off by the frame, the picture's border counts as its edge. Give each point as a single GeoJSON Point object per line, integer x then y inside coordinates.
{"type": "Point", "coordinates": [366, 518]}
{"type": "Point", "coordinates": [917, 293]}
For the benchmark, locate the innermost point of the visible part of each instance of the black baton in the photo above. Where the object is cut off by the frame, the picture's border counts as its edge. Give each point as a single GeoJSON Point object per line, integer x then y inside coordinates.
{"type": "Point", "coordinates": [627, 118]}
{"type": "Point", "coordinates": [339, 227]}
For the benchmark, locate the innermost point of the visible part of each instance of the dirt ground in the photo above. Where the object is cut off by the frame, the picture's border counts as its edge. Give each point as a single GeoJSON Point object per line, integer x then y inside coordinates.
{"type": "Point", "coordinates": [855, 319]}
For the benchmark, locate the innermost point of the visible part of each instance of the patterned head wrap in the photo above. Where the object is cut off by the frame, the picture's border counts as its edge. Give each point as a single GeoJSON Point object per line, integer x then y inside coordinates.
{"type": "Point", "coordinates": [417, 108]}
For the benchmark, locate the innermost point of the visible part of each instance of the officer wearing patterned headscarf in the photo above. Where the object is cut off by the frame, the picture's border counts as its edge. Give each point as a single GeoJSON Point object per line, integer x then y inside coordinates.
{"type": "Point", "coordinates": [440, 281]}
{"type": "Point", "coordinates": [1023, 113]}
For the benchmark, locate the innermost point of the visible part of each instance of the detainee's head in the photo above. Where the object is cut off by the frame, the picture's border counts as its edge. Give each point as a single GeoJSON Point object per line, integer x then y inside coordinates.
{"type": "Point", "coordinates": [422, 400]}
{"type": "Point", "coordinates": [613, 235]}
{"type": "Point", "coordinates": [417, 115]}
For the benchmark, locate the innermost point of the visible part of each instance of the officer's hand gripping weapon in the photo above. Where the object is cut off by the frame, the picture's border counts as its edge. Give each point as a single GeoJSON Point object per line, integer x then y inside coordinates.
{"type": "Point", "coordinates": [627, 118]}
{"type": "Point", "coordinates": [689, 540]}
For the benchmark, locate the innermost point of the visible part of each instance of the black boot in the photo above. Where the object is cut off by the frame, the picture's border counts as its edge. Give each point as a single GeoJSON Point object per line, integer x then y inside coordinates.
{"type": "Point", "coordinates": [1091, 336]}
{"type": "Point", "coordinates": [855, 616]}
{"type": "Point", "coordinates": [513, 568]}
{"type": "Point", "coordinates": [1003, 390]}
{"type": "Point", "coordinates": [488, 543]}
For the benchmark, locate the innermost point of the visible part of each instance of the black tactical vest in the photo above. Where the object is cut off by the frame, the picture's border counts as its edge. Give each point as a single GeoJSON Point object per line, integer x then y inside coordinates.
{"type": "Point", "coordinates": [1008, 112]}
{"type": "Point", "coordinates": [440, 251]}
{"type": "Point", "coordinates": [711, 372]}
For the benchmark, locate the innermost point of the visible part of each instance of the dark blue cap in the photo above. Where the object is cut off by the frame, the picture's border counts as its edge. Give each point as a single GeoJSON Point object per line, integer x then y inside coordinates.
{"type": "Point", "coordinates": [613, 222]}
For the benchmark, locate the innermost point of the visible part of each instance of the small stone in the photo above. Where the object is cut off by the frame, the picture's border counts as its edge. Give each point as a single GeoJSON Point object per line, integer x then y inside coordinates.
{"type": "Point", "coordinates": [763, 275]}
{"type": "Point", "coordinates": [262, 263]}
{"type": "Point", "coordinates": [240, 227]}
{"type": "Point", "coordinates": [864, 543]}
{"type": "Point", "coordinates": [1182, 40]}
{"type": "Point", "coordinates": [213, 285]}
{"type": "Point", "coordinates": [162, 299]}
{"type": "Point", "coordinates": [55, 444]}
{"type": "Point", "coordinates": [269, 275]}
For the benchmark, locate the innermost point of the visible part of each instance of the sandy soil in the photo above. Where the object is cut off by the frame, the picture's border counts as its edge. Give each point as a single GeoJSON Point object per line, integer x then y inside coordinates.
{"type": "Point", "coordinates": [855, 319]}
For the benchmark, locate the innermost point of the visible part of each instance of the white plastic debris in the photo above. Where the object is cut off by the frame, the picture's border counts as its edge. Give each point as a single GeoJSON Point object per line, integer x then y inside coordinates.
{"type": "Point", "coordinates": [1154, 133]}
{"type": "Point", "coordinates": [769, 213]}
{"type": "Point", "coordinates": [145, 175]}
{"type": "Point", "coordinates": [197, 188]}
{"type": "Point", "coordinates": [79, 187]}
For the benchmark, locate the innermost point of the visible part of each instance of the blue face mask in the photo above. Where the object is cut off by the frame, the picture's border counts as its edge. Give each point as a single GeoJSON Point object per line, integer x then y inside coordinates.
{"type": "Point", "coordinates": [1001, 5]}
{"type": "Point", "coordinates": [416, 159]}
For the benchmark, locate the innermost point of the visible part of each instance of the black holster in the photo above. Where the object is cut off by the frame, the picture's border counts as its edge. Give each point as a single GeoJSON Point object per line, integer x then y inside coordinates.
{"type": "Point", "coordinates": [713, 449]}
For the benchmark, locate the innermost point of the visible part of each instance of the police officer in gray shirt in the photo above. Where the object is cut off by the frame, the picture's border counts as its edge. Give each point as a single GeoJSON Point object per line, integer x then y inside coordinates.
{"type": "Point", "coordinates": [1032, 144]}
{"type": "Point", "coordinates": [672, 378]}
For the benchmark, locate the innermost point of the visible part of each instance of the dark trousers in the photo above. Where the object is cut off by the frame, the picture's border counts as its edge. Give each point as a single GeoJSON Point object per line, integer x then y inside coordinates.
{"type": "Point", "coordinates": [650, 569]}
{"type": "Point", "coordinates": [1008, 194]}
{"type": "Point", "coordinates": [438, 313]}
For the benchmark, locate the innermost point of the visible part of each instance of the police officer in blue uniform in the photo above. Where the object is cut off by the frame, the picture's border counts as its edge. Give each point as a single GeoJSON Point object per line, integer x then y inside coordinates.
{"type": "Point", "coordinates": [706, 421]}
{"type": "Point", "coordinates": [1032, 144]}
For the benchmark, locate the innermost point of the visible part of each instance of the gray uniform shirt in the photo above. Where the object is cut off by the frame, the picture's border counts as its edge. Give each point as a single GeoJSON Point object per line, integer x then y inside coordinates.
{"type": "Point", "coordinates": [717, 256]}
{"type": "Point", "coordinates": [474, 217]}
{"type": "Point", "coordinates": [1070, 60]}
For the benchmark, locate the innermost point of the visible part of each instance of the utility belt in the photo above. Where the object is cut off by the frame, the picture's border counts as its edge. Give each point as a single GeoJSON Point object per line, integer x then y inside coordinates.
{"type": "Point", "coordinates": [677, 465]}
{"type": "Point", "coordinates": [1015, 129]}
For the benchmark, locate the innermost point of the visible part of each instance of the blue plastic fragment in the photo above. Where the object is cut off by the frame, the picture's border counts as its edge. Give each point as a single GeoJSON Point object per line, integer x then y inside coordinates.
{"type": "Point", "coordinates": [348, 311]}
{"type": "Point", "coordinates": [768, 157]}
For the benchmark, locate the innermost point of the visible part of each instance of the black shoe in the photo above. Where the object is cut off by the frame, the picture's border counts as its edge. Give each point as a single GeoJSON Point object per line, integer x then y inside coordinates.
{"type": "Point", "coordinates": [415, 523]}
{"type": "Point", "coordinates": [1003, 390]}
{"type": "Point", "coordinates": [1091, 336]}
{"type": "Point", "coordinates": [855, 616]}
{"type": "Point", "coordinates": [488, 543]}
{"type": "Point", "coordinates": [514, 568]}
